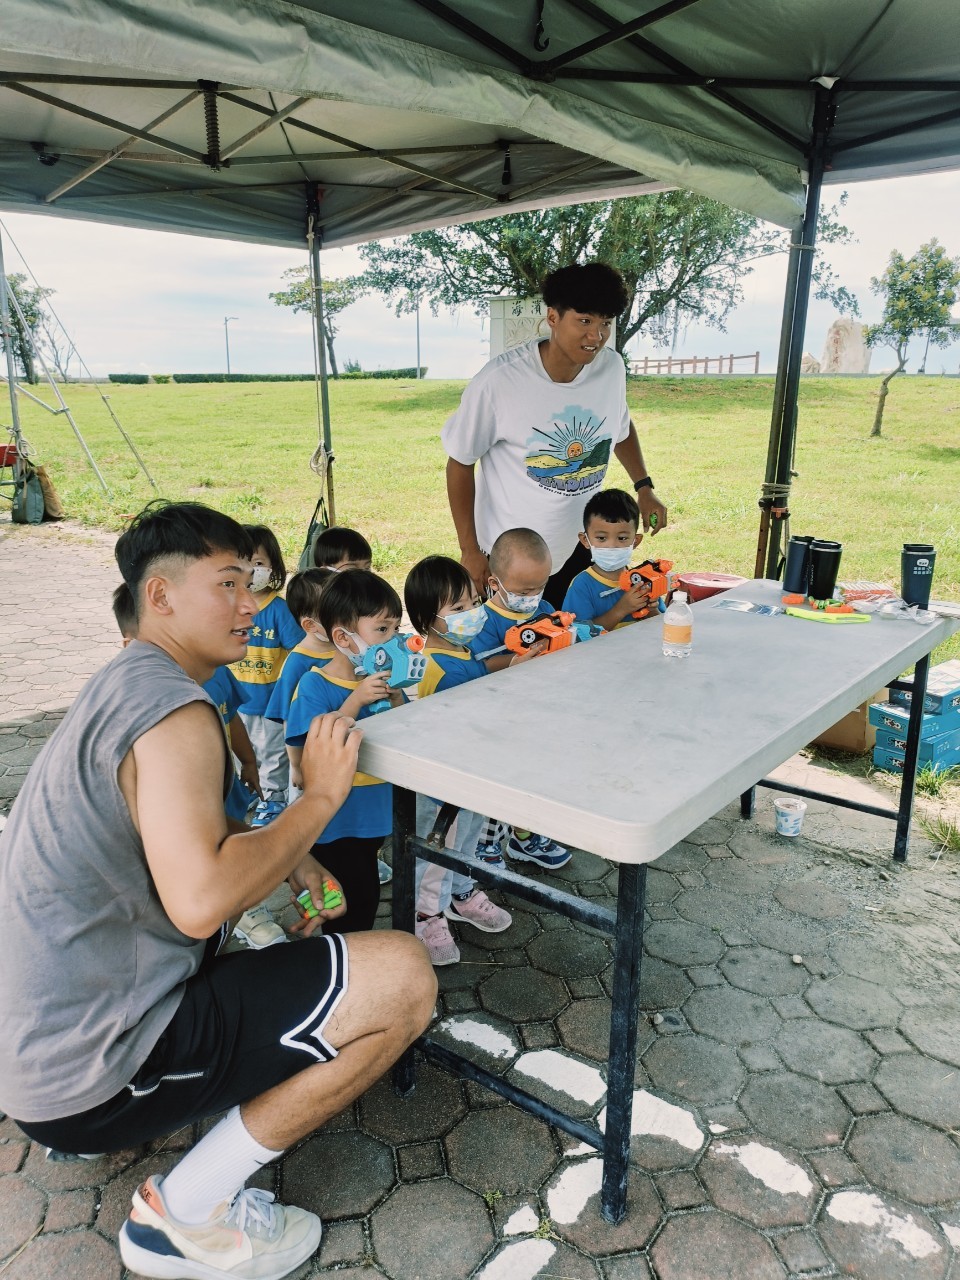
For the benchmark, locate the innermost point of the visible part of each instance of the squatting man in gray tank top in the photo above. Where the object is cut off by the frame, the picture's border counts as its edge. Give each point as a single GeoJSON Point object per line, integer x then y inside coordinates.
{"type": "Point", "coordinates": [121, 1023]}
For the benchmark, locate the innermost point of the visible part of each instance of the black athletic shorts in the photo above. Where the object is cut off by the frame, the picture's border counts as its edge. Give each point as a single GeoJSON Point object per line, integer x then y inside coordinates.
{"type": "Point", "coordinates": [247, 1021]}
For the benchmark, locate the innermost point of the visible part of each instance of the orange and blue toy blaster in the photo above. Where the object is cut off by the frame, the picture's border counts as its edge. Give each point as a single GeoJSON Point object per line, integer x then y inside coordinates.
{"type": "Point", "coordinates": [657, 577]}
{"type": "Point", "coordinates": [560, 630]}
{"type": "Point", "coordinates": [400, 661]}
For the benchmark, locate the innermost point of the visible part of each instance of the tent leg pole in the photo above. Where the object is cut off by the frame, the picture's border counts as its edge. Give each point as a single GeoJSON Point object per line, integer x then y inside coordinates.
{"type": "Point", "coordinates": [824, 112]}
{"type": "Point", "coordinates": [6, 329]}
{"type": "Point", "coordinates": [322, 366]}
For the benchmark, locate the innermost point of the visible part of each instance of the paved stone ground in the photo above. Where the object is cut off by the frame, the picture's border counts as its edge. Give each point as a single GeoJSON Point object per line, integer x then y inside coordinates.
{"type": "Point", "coordinates": [798, 1090]}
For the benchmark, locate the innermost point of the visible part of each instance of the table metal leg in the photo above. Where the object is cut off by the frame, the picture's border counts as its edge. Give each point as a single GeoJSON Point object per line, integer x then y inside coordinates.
{"type": "Point", "coordinates": [404, 906]}
{"type": "Point", "coordinates": [625, 1004]}
{"type": "Point", "coordinates": [914, 726]}
{"type": "Point", "coordinates": [747, 802]}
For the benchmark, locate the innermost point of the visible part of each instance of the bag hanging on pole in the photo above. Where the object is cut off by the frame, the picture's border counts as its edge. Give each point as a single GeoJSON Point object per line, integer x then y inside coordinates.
{"type": "Point", "coordinates": [319, 521]}
{"type": "Point", "coordinates": [28, 504]}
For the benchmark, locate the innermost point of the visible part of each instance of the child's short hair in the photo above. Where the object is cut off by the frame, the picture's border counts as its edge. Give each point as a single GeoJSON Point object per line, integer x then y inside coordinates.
{"type": "Point", "coordinates": [175, 530]}
{"type": "Point", "coordinates": [339, 543]}
{"type": "Point", "coordinates": [434, 582]}
{"type": "Point", "coordinates": [304, 591]}
{"type": "Point", "coordinates": [262, 536]}
{"type": "Point", "coordinates": [595, 289]}
{"type": "Point", "coordinates": [514, 542]}
{"type": "Point", "coordinates": [125, 611]}
{"type": "Point", "coordinates": [355, 594]}
{"type": "Point", "coordinates": [613, 505]}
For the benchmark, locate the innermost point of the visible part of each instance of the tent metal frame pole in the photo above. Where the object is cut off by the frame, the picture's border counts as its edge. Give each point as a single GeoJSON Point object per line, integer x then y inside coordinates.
{"type": "Point", "coordinates": [313, 243]}
{"type": "Point", "coordinates": [6, 329]}
{"type": "Point", "coordinates": [823, 116]}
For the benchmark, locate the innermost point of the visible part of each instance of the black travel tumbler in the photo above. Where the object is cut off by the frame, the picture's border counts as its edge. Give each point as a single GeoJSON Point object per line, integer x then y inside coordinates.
{"type": "Point", "coordinates": [916, 572]}
{"type": "Point", "coordinates": [824, 567]}
{"type": "Point", "coordinates": [796, 571]}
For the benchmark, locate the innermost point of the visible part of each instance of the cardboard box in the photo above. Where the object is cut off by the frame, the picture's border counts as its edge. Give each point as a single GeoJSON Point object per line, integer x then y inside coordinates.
{"type": "Point", "coordinates": [938, 747]}
{"type": "Point", "coordinates": [890, 715]}
{"type": "Point", "coordinates": [943, 690]}
{"type": "Point", "coordinates": [854, 733]}
{"type": "Point", "coordinates": [892, 761]}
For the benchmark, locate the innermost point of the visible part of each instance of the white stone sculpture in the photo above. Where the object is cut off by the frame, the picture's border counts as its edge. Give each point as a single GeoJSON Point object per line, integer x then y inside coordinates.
{"type": "Point", "coordinates": [808, 364]}
{"type": "Point", "coordinates": [845, 350]}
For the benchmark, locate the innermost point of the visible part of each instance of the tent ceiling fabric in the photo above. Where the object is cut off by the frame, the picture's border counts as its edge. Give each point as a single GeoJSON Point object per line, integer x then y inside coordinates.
{"type": "Point", "coordinates": [418, 113]}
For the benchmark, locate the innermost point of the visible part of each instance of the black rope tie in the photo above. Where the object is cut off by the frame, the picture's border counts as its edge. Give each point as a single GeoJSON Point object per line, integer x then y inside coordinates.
{"type": "Point", "coordinates": [211, 120]}
{"type": "Point", "coordinates": [506, 178]}
{"type": "Point", "coordinates": [540, 41]}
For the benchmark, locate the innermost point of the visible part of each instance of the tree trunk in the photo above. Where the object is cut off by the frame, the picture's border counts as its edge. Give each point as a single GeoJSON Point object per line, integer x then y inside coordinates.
{"type": "Point", "coordinates": [332, 359]}
{"type": "Point", "coordinates": [881, 400]}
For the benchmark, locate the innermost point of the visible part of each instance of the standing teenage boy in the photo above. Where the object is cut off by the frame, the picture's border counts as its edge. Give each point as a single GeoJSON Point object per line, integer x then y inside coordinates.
{"type": "Point", "coordinates": [538, 423]}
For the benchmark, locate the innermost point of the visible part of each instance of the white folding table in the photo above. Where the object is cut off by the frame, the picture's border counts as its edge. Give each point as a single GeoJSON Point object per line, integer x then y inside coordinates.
{"type": "Point", "coordinates": [613, 748]}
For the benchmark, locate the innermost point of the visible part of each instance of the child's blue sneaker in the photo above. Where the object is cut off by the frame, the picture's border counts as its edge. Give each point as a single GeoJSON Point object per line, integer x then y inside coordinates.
{"type": "Point", "coordinates": [491, 854]}
{"type": "Point", "coordinates": [266, 811]}
{"type": "Point", "coordinates": [539, 849]}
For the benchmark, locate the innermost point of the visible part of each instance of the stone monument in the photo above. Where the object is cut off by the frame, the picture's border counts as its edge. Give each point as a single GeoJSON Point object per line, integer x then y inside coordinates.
{"type": "Point", "coordinates": [809, 364]}
{"type": "Point", "coordinates": [845, 350]}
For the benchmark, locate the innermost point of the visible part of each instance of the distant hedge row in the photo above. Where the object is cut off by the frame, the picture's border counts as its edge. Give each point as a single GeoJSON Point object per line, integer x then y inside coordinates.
{"type": "Point", "coordinates": [138, 379]}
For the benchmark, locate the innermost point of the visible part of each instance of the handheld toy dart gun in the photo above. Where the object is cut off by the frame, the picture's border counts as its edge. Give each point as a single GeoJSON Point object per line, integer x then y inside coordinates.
{"type": "Point", "coordinates": [560, 630]}
{"type": "Point", "coordinates": [655, 576]}
{"type": "Point", "coordinates": [400, 661]}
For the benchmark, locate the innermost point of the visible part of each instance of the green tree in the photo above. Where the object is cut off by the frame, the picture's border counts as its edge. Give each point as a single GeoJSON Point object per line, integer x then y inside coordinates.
{"type": "Point", "coordinates": [917, 294]}
{"type": "Point", "coordinates": [683, 257]}
{"type": "Point", "coordinates": [24, 336]}
{"type": "Point", "coordinates": [338, 294]}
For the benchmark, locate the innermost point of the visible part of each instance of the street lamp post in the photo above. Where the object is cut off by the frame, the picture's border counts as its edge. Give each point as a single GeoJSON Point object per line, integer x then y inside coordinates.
{"type": "Point", "coordinates": [226, 337]}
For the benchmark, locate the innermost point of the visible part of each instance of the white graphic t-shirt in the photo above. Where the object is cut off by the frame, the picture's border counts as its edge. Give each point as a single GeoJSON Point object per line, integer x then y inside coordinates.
{"type": "Point", "coordinates": [543, 447]}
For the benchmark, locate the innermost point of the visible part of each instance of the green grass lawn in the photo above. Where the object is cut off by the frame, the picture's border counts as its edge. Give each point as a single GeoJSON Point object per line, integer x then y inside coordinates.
{"type": "Point", "coordinates": [245, 448]}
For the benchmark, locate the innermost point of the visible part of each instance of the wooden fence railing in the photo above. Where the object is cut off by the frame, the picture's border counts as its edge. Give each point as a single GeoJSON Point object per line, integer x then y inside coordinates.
{"type": "Point", "coordinates": [692, 364]}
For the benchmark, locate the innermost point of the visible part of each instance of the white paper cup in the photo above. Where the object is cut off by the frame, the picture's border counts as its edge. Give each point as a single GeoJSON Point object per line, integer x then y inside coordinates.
{"type": "Point", "coordinates": [789, 811]}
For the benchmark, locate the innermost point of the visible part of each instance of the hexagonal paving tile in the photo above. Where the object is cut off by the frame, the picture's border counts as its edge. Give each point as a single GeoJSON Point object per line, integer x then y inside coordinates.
{"type": "Point", "coordinates": [934, 1030]}
{"type": "Point", "coordinates": [683, 943]}
{"type": "Point", "coordinates": [425, 1229]}
{"type": "Point", "coordinates": [763, 971]}
{"type": "Point", "coordinates": [810, 898]}
{"type": "Point", "coordinates": [561, 1079]}
{"type": "Point", "coordinates": [853, 1003]}
{"type": "Point", "coordinates": [661, 886]}
{"type": "Point", "coordinates": [794, 1110]}
{"type": "Point", "coordinates": [569, 953]}
{"type": "Point", "coordinates": [518, 996]}
{"type": "Point", "coordinates": [433, 1108]}
{"type": "Point", "coordinates": [731, 1016]}
{"type": "Point", "coordinates": [584, 1028]}
{"type": "Point", "coordinates": [501, 1149]}
{"type": "Point", "coordinates": [828, 1053]}
{"type": "Point", "coordinates": [765, 1184]}
{"type": "Point", "coordinates": [734, 1249]}
{"type": "Point", "coordinates": [662, 985]}
{"type": "Point", "coordinates": [79, 1254]}
{"type": "Point", "coordinates": [906, 1158]}
{"type": "Point", "coordinates": [736, 876]}
{"type": "Point", "coordinates": [877, 1237]}
{"type": "Point", "coordinates": [22, 1207]}
{"type": "Point", "coordinates": [921, 1088]}
{"type": "Point", "coordinates": [523, 930]}
{"type": "Point", "coordinates": [572, 1201]}
{"type": "Point", "coordinates": [536, 1257]}
{"type": "Point", "coordinates": [364, 1174]}
{"type": "Point", "coordinates": [715, 909]}
{"type": "Point", "coordinates": [685, 856]}
{"type": "Point", "coordinates": [694, 1067]}
{"type": "Point", "coordinates": [788, 933]}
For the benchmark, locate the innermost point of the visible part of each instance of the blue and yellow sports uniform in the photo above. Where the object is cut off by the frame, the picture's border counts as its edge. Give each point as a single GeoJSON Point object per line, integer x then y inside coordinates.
{"type": "Point", "coordinates": [500, 619]}
{"type": "Point", "coordinates": [590, 596]}
{"type": "Point", "coordinates": [298, 663]}
{"type": "Point", "coordinates": [229, 695]}
{"type": "Point", "coordinates": [273, 633]}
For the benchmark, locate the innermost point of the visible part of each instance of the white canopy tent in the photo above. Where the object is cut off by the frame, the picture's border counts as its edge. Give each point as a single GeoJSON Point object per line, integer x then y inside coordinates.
{"type": "Point", "coordinates": [331, 123]}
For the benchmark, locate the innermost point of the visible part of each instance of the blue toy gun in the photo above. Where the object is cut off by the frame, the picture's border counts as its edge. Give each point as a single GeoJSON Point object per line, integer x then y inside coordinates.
{"type": "Point", "coordinates": [400, 661]}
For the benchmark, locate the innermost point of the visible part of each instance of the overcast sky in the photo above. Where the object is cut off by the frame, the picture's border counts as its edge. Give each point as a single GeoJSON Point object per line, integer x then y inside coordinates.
{"type": "Point", "coordinates": [153, 302]}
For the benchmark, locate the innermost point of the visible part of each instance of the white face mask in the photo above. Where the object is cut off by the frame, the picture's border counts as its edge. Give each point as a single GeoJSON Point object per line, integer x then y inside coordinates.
{"type": "Point", "coordinates": [261, 577]}
{"type": "Point", "coordinates": [610, 559]}
{"type": "Point", "coordinates": [517, 603]}
{"type": "Point", "coordinates": [362, 647]}
{"type": "Point", "coordinates": [465, 626]}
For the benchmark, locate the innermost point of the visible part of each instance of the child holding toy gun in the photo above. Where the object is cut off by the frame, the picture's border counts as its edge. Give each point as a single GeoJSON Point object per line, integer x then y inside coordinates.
{"type": "Point", "coordinates": [357, 610]}
{"type": "Point", "coordinates": [611, 520]}
{"type": "Point", "coordinates": [520, 565]}
{"type": "Point", "coordinates": [443, 608]}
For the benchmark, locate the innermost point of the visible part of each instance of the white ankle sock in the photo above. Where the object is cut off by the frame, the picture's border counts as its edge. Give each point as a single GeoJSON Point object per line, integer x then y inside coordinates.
{"type": "Point", "coordinates": [214, 1170]}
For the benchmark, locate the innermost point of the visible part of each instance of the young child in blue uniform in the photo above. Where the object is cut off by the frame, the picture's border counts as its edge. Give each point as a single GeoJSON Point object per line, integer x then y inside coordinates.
{"type": "Point", "coordinates": [610, 522]}
{"type": "Point", "coordinates": [442, 606]}
{"type": "Point", "coordinates": [357, 610]}
{"type": "Point", "coordinates": [340, 548]}
{"type": "Point", "coordinates": [273, 633]}
{"type": "Point", "coordinates": [520, 565]}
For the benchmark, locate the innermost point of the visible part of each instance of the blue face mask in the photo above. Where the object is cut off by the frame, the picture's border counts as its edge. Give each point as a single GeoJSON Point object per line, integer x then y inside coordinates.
{"type": "Point", "coordinates": [610, 559]}
{"type": "Point", "coordinates": [525, 605]}
{"type": "Point", "coordinates": [466, 626]}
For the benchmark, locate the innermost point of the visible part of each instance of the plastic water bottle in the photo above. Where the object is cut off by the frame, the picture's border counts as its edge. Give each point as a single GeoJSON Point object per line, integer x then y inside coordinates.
{"type": "Point", "coordinates": [678, 627]}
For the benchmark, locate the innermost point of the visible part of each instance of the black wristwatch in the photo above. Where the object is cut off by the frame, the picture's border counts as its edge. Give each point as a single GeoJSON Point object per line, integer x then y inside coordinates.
{"type": "Point", "coordinates": [645, 483]}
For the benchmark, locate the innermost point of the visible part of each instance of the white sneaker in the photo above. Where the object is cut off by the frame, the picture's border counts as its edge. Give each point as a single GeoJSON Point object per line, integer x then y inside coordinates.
{"type": "Point", "coordinates": [258, 928]}
{"type": "Point", "coordinates": [251, 1238]}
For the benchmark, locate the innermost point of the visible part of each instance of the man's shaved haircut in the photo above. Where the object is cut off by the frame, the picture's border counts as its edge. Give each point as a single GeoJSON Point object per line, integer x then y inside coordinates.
{"type": "Point", "coordinates": [175, 533]}
{"type": "Point", "coordinates": [514, 542]}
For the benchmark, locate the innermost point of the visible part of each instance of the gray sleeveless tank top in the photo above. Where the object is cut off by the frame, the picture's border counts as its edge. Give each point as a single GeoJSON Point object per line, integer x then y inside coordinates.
{"type": "Point", "coordinates": [91, 967]}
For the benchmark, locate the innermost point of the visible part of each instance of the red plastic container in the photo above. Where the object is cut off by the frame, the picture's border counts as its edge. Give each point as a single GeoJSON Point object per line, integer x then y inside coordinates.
{"type": "Point", "coordinates": [701, 586]}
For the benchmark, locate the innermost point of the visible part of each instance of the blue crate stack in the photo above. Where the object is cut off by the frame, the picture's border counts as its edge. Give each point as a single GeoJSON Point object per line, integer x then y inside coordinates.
{"type": "Point", "coordinates": [940, 731]}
